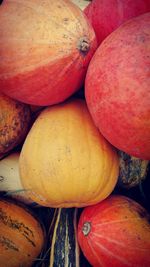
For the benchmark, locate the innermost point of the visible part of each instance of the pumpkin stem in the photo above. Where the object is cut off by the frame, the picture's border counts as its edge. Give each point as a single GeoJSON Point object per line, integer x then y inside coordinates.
{"type": "Point", "coordinates": [86, 228]}
{"type": "Point", "coordinates": [83, 45]}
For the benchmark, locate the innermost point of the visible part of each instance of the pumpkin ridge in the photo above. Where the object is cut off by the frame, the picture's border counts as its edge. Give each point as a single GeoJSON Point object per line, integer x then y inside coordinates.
{"type": "Point", "coordinates": [118, 221]}
{"type": "Point", "coordinates": [84, 116]}
{"type": "Point", "coordinates": [103, 185]}
{"type": "Point", "coordinates": [109, 208]}
{"type": "Point", "coordinates": [99, 190]}
{"type": "Point", "coordinates": [87, 132]}
{"type": "Point", "coordinates": [117, 242]}
{"type": "Point", "coordinates": [121, 259]}
{"type": "Point", "coordinates": [112, 169]}
{"type": "Point", "coordinates": [94, 253]}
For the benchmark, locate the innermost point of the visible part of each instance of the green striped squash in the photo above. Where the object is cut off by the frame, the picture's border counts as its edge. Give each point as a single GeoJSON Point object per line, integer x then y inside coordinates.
{"type": "Point", "coordinates": [132, 170]}
{"type": "Point", "coordinates": [64, 246]}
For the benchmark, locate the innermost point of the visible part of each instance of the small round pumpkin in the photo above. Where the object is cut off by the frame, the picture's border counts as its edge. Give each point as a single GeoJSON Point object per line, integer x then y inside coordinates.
{"type": "Point", "coordinates": [15, 120]}
{"type": "Point", "coordinates": [45, 50]}
{"type": "Point", "coordinates": [116, 233]}
{"type": "Point", "coordinates": [21, 235]}
{"type": "Point", "coordinates": [65, 161]}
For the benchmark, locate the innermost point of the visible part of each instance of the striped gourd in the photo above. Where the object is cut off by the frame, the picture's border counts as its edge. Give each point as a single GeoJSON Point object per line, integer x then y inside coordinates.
{"type": "Point", "coordinates": [21, 235]}
{"type": "Point", "coordinates": [64, 247]}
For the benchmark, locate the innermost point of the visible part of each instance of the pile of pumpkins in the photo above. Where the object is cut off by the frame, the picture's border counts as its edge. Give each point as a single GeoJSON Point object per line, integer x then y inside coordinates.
{"type": "Point", "coordinates": [74, 132]}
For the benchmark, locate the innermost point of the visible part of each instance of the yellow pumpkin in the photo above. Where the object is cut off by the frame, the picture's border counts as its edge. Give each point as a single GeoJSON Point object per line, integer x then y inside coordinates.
{"type": "Point", "coordinates": [21, 235]}
{"type": "Point", "coordinates": [65, 161]}
{"type": "Point", "coordinates": [15, 119]}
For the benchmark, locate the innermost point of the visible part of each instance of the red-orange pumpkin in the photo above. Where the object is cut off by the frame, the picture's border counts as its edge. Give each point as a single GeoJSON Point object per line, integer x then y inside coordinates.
{"type": "Point", "coordinates": [117, 87]}
{"type": "Point", "coordinates": [106, 16]}
{"type": "Point", "coordinates": [45, 49]}
{"type": "Point", "coordinates": [116, 233]}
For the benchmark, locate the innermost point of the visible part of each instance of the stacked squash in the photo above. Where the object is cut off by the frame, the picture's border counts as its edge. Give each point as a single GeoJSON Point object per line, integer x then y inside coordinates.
{"type": "Point", "coordinates": [65, 154]}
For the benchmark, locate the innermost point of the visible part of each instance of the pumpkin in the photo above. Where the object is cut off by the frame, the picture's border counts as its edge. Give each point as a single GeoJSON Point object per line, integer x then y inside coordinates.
{"type": "Point", "coordinates": [15, 118]}
{"type": "Point", "coordinates": [65, 161]}
{"type": "Point", "coordinates": [116, 233]}
{"type": "Point", "coordinates": [45, 50]}
{"type": "Point", "coordinates": [117, 87]}
{"type": "Point", "coordinates": [132, 171]}
{"type": "Point", "coordinates": [21, 235]}
{"type": "Point", "coordinates": [107, 16]}
{"type": "Point", "coordinates": [10, 183]}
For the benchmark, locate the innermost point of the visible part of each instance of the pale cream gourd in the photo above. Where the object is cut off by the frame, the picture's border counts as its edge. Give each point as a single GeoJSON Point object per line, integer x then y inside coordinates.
{"type": "Point", "coordinates": [10, 182]}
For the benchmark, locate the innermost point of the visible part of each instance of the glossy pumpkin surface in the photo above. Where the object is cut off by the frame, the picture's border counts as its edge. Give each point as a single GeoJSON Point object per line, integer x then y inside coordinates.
{"type": "Point", "coordinates": [21, 235]}
{"type": "Point", "coordinates": [45, 49]}
{"type": "Point", "coordinates": [115, 232]}
{"type": "Point", "coordinates": [65, 161]}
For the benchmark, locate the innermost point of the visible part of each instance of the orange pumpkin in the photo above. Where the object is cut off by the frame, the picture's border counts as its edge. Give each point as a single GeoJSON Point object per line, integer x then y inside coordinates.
{"type": "Point", "coordinates": [21, 235]}
{"type": "Point", "coordinates": [45, 50]}
{"type": "Point", "coordinates": [14, 123]}
{"type": "Point", "coordinates": [65, 161]}
{"type": "Point", "coordinates": [115, 233]}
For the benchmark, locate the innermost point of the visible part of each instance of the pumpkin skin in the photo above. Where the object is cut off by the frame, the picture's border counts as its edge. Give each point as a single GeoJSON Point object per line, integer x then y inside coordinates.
{"type": "Point", "coordinates": [115, 232]}
{"type": "Point", "coordinates": [15, 118]}
{"type": "Point", "coordinates": [21, 235]}
{"type": "Point", "coordinates": [45, 63]}
{"type": "Point", "coordinates": [117, 87]}
{"type": "Point", "coordinates": [72, 165]}
{"type": "Point", "coordinates": [106, 16]}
